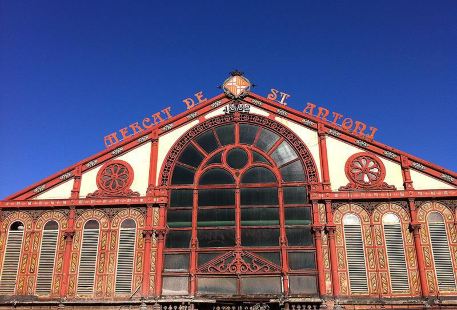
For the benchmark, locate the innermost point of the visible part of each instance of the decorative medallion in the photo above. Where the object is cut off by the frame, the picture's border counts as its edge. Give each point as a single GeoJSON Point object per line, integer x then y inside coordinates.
{"type": "Point", "coordinates": [365, 172]}
{"type": "Point", "coordinates": [114, 180]}
{"type": "Point", "coordinates": [236, 86]}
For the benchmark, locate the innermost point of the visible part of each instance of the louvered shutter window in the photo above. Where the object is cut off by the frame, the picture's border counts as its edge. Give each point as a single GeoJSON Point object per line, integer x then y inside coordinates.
{"type": "Point", "coordinates": [125, 257]}
{"type": "Point", "coordinates": [47, 258]}
{"type": "Point", "coordinates": [89, 250]}
{"type": "Point", "coordinates": [355, 254]}
{"type": "Point", "coordinates": [12, 258]}
{"type": "Point", "coordinates": [441, 254]}
{"type": "Point", "coordinates": [395, 253]}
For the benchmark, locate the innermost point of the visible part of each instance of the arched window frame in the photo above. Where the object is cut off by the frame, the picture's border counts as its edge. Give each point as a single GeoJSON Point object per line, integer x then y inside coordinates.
{"type": "Point", "coordinates": [7, 275]}
{"type": "Point", "coordinates": [280, 185]}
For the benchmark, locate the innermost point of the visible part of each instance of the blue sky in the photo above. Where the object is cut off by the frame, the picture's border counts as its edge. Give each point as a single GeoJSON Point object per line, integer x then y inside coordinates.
{"type": "Point", "coordinates": [73, 71]}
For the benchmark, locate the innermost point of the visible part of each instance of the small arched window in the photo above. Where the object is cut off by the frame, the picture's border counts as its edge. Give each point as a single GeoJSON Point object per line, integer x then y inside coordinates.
{"type": "Point", "coordinates": [355, 253]}
{"type": "Point", "coordinates": [395, 252]}
{"type": "Point", "coordinates": [441, 253]}
{"type": "Point", "coordinates": [12, 258]}
{"type": "Point", "coordinates": [88, 258]}
{"type": "Point", "coordinates": [125, 257]}
{"type": "Point", "coordinates": [47, 258]}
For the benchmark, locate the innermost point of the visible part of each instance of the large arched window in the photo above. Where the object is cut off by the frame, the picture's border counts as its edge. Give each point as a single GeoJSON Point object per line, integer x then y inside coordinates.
{"type": "Point", "coordinates": [395, 253]}
{"type": "Point", "coordinates": [125, 257]}
{"type": "Point", "coordinates": [88, 257]}
{"type": "Point", "coordinates": [47, 258]}
{"type": "Point", "coordinates": [355, 253]}
{"type": "Point", "coordinates": [11, 259]}
{"type": "Point", "coordinates": [441, 254]}
{"type": "Point", "coordinates": [239, 217]}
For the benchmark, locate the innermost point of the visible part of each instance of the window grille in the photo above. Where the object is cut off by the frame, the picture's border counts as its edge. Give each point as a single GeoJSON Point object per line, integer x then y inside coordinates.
{"type": "Point", "coordinates": [395, 253]}
{"type": "Point", "coordinates": [441, 254]}
{"type": "Point", "coordinates": [125, 257]}
{"type": "Point", "coordinates": [89, 251]}
{"type": "Point", "coordinates": [47, 258]}
{"type": "Point", "coordinates": [12, 258]}
{"type": "Point", "coordinates": [355, 254]}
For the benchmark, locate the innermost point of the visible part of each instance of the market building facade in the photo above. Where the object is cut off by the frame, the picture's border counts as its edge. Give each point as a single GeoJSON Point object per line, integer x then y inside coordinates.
{"type": "Point", "coordinates": [239, 203]}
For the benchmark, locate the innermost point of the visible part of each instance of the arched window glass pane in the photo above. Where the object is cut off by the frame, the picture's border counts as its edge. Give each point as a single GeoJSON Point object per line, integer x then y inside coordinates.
{"type": "Point", "coordinates": [216, 197]}
{"type": "Point", "coordinates": [207, 141]}
{"type": "Point", "coordinates": [435, 217]}
{"type": "Point", "coordinates": [216, 176]}
{"type": "Point", "coordinates": [191, 156]}
{"type": "Point", "coordinates": [299, 236]}
{"type": "Point", "coordinates": [216, 238]}
{"type": "Point", "coordinates": [248, 133]}
{"type": "Point", "coordinates": [260, 237]}
{"type": "Point", "coordinates": [237, 158]}
{"type": "Point", "coordinates": [178, 239]}
{"type": "Point", "coordinates": [216, 159]}
{"type": "Point", "coordinates": [216, 217]}
{"type": "Point", "coordinates": [226, 134]}
{"type": "Point", "coordinates": [295, 195]}
{"type": "Point", "coordinates": [92, 224]}
{"type": "Point", "coordinates": [259, 216]}
{"type": "Point", "coordinates": [182, 175]}
{"type": "Point", "coordinates": [351, 219]}
{"type": "Point", "coordinates": [390, 218]}
{"type": "Point", "coordinates": [266, 140]}
{"type": "Point", "coordinates": [51, 225]}
{"type": "Point", "coordinates": [258, 175]}
{"type": "Point", "coordinates": [293, 172]}
{"type": "Point", "coordinates": [258, 158]}
{"type": "Point", "coordinates": [12, 257]}
{"type": "Point", "coordinates": [179, 218]}
{"type": "Point", "coordinates": [128, 223]}
{"type": "Point", "coordinates": [283, 154]}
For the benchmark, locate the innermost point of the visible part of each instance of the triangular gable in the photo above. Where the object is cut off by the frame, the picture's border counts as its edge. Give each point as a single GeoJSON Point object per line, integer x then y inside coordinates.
{"type": "Point", "coordinates": [214, 106]}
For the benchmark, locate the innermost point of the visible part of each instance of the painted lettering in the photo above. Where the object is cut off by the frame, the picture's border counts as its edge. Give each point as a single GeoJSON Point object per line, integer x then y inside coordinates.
{"type": "Point", "coordinates": [336, 117]}
{"type": "Point", "coordinates": [273, 94]}
{"type": "Point", "coordinates": [359, 128]}
{"type": "Point", "coordinates": [323, 113]}
{"type": "Point", "coordinates": [309, 108]}
{"type": "Point", "coordinates": [124, 132]}
{"type": "Point", "coordinates": [136, 128]}
{"type": "Point", "coordinates": [347, 124]}
{"type": "Point", "coordinates": [284, 96]}
{"type": "Point", "coordinates": [111, 139]}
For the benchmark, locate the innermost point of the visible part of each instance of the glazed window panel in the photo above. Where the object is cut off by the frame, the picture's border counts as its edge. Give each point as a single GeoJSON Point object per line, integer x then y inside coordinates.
{"type": "Point", "coordinates": [11, 259]}
{"type": "Point", "coordinates": [207, 141]}
{"type": "Point", "coordinates": [226, 134]}
{"type": "Point", "coordinates": [215, 238]}
{"type": "Point", "coordinates": [259, 216]}
{"type": "Point", "coordinates": [260, 285]}
{"type": "Point", "coordinates": [216, 217]}
{"type": "Point", "coordinates": [216, 197]}
{"type": "Point", "coordinates": [176, 262]}
{"type": "Point", "coordinates": [248, 133]}
{"type": "Point", "coordinates": [178, 239]}
{"type": "Point", "coordinates": [216, 176]}
{"type": "Point", "coordinates": [217, 285]}
{"type": "Point", "coordinates": [299, 236]}
{"type": "Point", "coordinates": [300, 260]}
{"type": "Point", "coordinates": [179, 218]}
{"type": "Point", "coordinates": [216, 159]}
{"type": "Point", "coordinates": [303, 284]}
{"type": "Point", "coordinates": [258, 175]}
{"type": "Point", "coordinates": [191, 156]}
{"type": "Point", "coordinates": [284, 153]}
{"type": "Point", "coordinates": [259, 196]}
{"type": "Point", "coordinates": [293, 172]}
{"type": "Point", "coordinates": [295, 195]}
{"type": "Point", "coordinates": [175, 285]}
{"type": "Point", "coordinates": [205, 257]}
{"type": "Point", "coordinates": [266, 140]}
{"type": "Point", "coordinates": [298, 216]}
{"type": "Point", "coordinates": [237, 158]}
{"type": "Point", "coordinates": [182, 175]}
{"type": "Point", "coordinates": [274, 257]}
{"type": "Point", "coordinates": [257, 237]}
{"type": "Point", "coordinates": [181, 198]}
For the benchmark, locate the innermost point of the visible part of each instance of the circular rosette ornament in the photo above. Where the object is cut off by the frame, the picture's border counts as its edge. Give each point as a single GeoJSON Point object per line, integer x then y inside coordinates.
{"type": "Point", "coordinates": [114, 179]}
{"type": "Point", "coordinates": [365, 172]}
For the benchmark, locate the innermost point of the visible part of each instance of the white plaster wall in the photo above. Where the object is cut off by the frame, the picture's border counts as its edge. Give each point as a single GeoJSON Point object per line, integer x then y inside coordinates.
{"type": "Point", "coordinates": [138, 158]}
{"type": "Point", "coordinates": [220, 111]}
{"type": "Point", "coordinates": [338, 152]}
{"type": "Point", "coordinates": [258, 111]}
{"type": "Point", "coordinates": [166, 141]}
{"type": "Point", "coordinates": [309, 138]}
{"type": "Point", "coordinates": [216, 112]}
{"type": "Point", "coordinates": [423, 181]}
{"type": "Point", "coordinates": [61, 191]}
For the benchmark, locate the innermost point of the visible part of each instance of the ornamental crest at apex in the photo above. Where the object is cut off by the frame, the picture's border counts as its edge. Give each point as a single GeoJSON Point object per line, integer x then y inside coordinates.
{"type": "Point", "coordinates": [236, 86]}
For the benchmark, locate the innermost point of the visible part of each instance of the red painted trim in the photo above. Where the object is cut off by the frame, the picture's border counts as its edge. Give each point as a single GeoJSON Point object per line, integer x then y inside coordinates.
{"type": "Point", "coordinates": [69, 233]}
{"type": "Point", "coordinates": [407, 182]}
{"type": "Point", "coordinates": [160, 246]}
{"type": "Point", "coordinates": [331, 229]}
{"type": "Point", "coordinates": [323, 157]}
{"type": "Point", "coordinates": [148, 234]}
{"type": "Point", "coordinates": [76, 183]}
{"type": "Point", "coordinates": [421, 194]}
{"type": "Point", "coordinates": [153, 163]}
{"type": "Point", "coordinates": [180, 119]}
{"type": "Point", "coordinates": [415, 226]}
